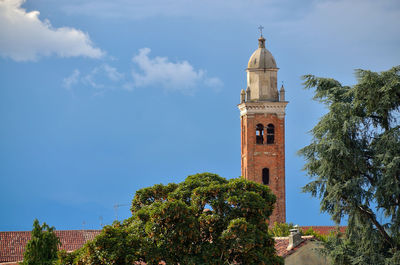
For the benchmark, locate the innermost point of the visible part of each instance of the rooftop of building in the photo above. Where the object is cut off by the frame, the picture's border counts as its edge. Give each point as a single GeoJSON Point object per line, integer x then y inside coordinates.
{"type": "Point", "coordinates": [12, 244]}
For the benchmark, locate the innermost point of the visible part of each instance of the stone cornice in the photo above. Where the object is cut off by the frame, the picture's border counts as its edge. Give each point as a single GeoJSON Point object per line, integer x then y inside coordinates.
{"type": "Point", "coordinates": [261, 107]}
{"type": "Point", "coordinates": [261, 69]}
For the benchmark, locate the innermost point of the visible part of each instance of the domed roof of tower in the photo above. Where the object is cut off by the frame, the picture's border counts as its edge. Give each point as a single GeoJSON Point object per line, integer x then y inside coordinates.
{"type": "Point", "coordinates": [261, 58]}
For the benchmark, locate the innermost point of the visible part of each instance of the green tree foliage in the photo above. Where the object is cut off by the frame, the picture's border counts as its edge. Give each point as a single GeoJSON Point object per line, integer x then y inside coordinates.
{"type": "Point", "coordinates": [41, 249]}
{"type": "Point", "coordinates": [281, 229]}
{"type": "Point", "coordinates": [354, 163]}
{"type": "Point", "coordinates": [324, 238]}
{"type": "Point", "coordinates": [205, 219]}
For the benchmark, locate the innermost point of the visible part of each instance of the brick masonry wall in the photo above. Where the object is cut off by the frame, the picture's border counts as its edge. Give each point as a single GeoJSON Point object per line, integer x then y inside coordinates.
{"type": "Point", "coordinates": [255, 157]}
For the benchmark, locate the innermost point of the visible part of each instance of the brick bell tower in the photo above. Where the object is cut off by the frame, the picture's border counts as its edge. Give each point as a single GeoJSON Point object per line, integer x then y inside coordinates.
{"type": "Point", "coordinates": [262, 118]}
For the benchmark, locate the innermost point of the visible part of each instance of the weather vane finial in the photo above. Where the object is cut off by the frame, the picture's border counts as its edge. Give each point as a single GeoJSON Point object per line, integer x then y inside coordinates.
{"type": "Point", "coordinates": [261, 28]}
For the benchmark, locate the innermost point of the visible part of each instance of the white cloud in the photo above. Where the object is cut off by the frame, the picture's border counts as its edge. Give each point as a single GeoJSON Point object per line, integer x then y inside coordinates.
{"type": "Point", "coordinates": [356, 33]}
{"type": "Point", "coordinates": [128, 86]}
{"type": "Point", "coordinates": [71, 80]}
{"type": "Point", "coordinates": [157, 71]}
{"type": "Point", "coordinates": [213, 82]}
{"type": "Point", "coordinates": [173, 76]}
{"type": "Point", "coordinates": [24, 37]}
{"type": "Point", "coordinates": [251, 9]}
{"type": "Point", "coordinates": [258, 11]}
{"type": "Point", "coordinates": [362, 20]}
{"type": "Point", "coordinates": [112, 73]}
{"type": "Point", "coordinates": [350, 34]}
{"type": "Point", "coordinates": [101, 78]}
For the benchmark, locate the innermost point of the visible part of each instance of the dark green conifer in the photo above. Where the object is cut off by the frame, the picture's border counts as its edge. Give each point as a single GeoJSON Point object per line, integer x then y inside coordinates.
{"type": "Point", "coordinates": [354, 163]}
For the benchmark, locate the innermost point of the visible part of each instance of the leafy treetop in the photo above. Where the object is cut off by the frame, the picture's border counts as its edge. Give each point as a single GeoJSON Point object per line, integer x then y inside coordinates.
{"type": "Point", "coordinates": [41, 249]}
{"type": "Point", "coordinates": [205, 219]}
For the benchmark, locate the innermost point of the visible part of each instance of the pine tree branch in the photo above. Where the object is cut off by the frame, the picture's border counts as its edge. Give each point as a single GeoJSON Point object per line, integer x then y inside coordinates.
{"type": "Point", "coordinates": [367, 212]}
{"type": "Point", "coordinates": [370, 179]}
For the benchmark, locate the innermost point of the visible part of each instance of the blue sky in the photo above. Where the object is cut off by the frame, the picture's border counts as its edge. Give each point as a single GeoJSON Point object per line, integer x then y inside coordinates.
{"type": "Point", "coordinates": [101, 98]}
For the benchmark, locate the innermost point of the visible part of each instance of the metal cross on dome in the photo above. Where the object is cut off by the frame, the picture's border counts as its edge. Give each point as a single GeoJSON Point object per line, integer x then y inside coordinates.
{"type": "Point", "coordinates": [261, 28]}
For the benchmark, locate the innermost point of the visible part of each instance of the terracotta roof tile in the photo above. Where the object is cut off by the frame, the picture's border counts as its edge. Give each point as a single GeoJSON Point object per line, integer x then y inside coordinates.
{"type": "Point", "coordinates": [12, 244]}
{"type": "Point", "coordinates": [324, 230]}
{"type": "Point", "coordinates": [281, 244]}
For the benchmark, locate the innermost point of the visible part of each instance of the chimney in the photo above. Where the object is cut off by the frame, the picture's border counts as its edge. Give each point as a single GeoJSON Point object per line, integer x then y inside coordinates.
{"type": "Point", "coordinates": [294, 238]}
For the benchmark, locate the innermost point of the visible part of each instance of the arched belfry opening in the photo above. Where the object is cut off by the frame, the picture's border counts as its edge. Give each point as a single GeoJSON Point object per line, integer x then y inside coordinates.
{"type": "Point", "coordinates": [265, 176]}
{"type": "Point", "coordinates": [260, 134]}
{"type": "Point", "coordinates": [270, 133]}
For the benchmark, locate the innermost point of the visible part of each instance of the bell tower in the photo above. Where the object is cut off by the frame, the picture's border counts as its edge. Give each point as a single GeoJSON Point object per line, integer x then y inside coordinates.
{"type": "Point", "coordinates": [262, 118]}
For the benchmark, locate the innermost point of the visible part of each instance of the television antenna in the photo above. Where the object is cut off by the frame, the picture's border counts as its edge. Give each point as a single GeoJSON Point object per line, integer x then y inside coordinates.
{"type": "Point", "coordinates": [101, 221]}
{"type": "Point", "coordinates": [116, 206]}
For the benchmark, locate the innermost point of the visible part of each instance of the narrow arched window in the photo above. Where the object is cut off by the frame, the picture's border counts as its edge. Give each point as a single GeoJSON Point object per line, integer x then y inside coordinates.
{"type": "Point", "coordinates": [259, 134]}
{"type": "Point", "coordinates": [270, 134]}
{"type": "Point", "coordinates": [265, 176]}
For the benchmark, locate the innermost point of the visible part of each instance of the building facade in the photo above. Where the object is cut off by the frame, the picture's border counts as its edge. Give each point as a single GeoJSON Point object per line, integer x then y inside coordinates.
{"type": "Point", "coordinates": [262, 116]}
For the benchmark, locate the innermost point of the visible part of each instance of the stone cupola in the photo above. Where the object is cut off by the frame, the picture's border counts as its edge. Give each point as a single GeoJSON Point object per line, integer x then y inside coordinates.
{"type": "Point", "coordinates": [262, 75]}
